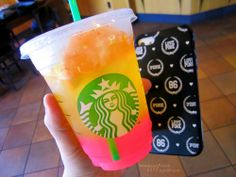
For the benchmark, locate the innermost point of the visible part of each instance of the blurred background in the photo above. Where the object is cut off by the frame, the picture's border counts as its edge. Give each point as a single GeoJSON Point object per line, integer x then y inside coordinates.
{"type": "Point", "coordinates": [26, 147]}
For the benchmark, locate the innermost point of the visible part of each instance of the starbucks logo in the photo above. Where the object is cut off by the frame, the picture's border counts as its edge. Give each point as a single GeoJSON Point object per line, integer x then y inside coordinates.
{"type": "Point", "coordinates": [109, 105]}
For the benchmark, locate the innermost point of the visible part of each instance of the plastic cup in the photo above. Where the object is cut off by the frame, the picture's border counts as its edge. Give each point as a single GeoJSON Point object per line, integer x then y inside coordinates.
{"type": "Point", "coordinates": [92, 70]}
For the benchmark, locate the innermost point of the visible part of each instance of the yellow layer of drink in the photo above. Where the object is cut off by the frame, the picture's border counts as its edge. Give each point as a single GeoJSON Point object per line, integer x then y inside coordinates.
{"type": "Point", "coordinates": [90, 55]}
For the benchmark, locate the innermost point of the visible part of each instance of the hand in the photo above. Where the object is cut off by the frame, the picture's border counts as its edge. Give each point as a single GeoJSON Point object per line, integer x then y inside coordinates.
{"type": "Point", "coordinates": [146, 85]}
{"type": "Point", "coordinates": [76, 163]}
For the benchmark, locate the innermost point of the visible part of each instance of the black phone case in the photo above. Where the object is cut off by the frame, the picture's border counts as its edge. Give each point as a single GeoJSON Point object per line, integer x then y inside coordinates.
{"type": "Point", "coordinates": [169, 62]}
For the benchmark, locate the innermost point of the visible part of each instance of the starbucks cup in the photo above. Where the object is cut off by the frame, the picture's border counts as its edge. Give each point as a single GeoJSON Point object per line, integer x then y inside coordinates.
{"type": "Point", "coordinates": [92, 70]}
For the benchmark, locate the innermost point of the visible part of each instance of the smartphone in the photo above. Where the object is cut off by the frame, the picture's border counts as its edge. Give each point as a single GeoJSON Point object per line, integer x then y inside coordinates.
{"type": "Point", "coordinates": [167, 58]}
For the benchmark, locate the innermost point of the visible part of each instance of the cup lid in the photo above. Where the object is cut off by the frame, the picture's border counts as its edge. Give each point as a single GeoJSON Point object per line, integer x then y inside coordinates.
{"type": "Point", "coordinates": [88, 23]}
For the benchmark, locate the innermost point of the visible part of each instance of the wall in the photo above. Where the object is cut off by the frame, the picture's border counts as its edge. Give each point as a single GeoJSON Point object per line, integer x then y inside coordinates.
{"type": "Point", "coordinates": [180, 7]}
{"type": "Point", "coordinates": [92, 7]}
{"type": "Point", "coordinates": [166, 11]}
{"type": "Point", "coordinates": [184, 7]}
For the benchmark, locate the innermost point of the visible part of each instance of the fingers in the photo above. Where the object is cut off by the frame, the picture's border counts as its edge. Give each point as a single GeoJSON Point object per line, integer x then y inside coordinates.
{"type": "Point", "coordinates": [76, 163]}
{"type": "Point", "coordinates": [59, 127]}
{"type": "Point", "coordinates": [146, 84]}
{"type": "Point", "coordinates": [75, 160]}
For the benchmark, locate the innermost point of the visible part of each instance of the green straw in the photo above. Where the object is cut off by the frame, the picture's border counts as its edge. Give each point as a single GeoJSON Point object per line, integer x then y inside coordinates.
{"type": "Point", "coordinates": [74, 10]}
{"type": "Point", "coordinates": [111, 142]}
{"type": "Point", "coordinates": [113, 149]}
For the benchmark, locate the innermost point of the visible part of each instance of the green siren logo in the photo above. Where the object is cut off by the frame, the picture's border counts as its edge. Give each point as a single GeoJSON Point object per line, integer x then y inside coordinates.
{"type": "Point", "coordinates": [109, 105]}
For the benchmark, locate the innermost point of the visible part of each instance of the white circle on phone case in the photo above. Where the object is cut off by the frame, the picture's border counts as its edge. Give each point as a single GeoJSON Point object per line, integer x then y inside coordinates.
{"type": "Point", "coordinates": [187, 63]}
{"type": "Point", "coordinates": [161, 143]}
{"type": "Point", "coordinates": [173, 85]}
{"type": "Point", "coordinates": [192, 145]}
{"type": "Point", "coordinates": [155, 67]}
{"type": "Point", "coordinates": [190, 104]}
{"type": "Point", "coordinates": [170, 45]}
{"type": "Point", "coordinates": [141, 52]}
{"type": "Point", "coordinates": [176, 124]}
{"type": "Point", "coordinates": [158, 105]}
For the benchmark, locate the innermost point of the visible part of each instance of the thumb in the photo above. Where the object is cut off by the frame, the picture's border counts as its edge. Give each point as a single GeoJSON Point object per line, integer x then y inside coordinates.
{"type": "Point", "coordinates": [147, 85]}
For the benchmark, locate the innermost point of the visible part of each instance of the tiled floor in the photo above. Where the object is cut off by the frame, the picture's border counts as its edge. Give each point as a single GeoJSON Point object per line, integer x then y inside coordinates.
{"type": "Point", "coordinates": [27, 148]}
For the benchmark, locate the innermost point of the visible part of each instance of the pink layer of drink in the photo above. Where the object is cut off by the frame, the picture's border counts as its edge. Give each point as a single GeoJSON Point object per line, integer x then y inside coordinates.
{"type": "Point", "coordinates": [132, 147]}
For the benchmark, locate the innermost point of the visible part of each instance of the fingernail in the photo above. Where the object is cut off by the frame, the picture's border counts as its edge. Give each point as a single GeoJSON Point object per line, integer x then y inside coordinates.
{"type": "Point", "coordinates": [45, 102]}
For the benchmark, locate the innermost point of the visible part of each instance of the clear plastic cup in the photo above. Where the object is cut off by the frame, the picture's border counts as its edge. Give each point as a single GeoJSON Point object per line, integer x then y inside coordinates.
{"type": "Point", "coordinates": [92, 70]}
